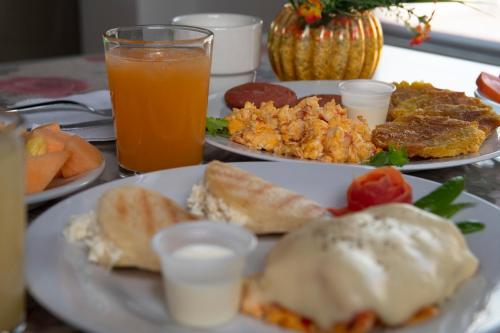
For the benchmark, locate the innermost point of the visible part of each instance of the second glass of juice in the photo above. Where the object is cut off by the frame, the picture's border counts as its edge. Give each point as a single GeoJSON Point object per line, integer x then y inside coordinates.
{"type": "Point", "coordinates": [12, 224]}
{"type": "Point", "coordinates": [158, 78]}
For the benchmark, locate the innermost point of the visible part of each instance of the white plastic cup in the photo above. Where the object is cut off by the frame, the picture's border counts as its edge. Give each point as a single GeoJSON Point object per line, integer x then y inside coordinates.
{"type": "Point", "coordinates": [367, 98]}
{"type": "Point", "coordinates": [203, 291]}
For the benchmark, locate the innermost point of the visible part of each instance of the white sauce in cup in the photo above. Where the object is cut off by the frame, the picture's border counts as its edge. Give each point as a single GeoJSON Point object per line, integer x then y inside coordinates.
{"type": "Point", "coordinates": [213, 303]}
{"type": "Point", "coordinates": [202, 267]}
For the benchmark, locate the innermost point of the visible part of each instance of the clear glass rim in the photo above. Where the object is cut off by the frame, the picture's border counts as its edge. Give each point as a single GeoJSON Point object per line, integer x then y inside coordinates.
{"type": "Point", "coordinates": [15, 121]}
{"type": "Point", "coordinates": [108, 34]}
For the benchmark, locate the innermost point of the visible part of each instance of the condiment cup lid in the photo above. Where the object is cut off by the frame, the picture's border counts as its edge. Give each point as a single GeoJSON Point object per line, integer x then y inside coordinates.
{"type": "Point", "coordinates": [366, 88]}
{"type": "Point", "coordinates": [235, 238]}
{"type": "Point", "coordinates": [203, 269]}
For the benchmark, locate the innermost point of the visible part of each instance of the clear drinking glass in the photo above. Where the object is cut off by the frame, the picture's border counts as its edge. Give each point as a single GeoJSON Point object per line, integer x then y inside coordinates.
{"type": "Point", "coordinates": [158, 77]}
{"type": "Point", "coordinates": [12, 224]}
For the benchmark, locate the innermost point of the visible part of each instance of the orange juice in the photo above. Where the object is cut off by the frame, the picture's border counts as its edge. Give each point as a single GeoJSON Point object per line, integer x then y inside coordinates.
{"type": "Point", "coordinates": [12, 225]}
{"type": "Point", "coordinates": [159, 98]}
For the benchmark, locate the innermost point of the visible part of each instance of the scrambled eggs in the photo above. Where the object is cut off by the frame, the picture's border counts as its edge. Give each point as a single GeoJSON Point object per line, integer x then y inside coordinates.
{"type": "Point", "coordinates": [305, 131]}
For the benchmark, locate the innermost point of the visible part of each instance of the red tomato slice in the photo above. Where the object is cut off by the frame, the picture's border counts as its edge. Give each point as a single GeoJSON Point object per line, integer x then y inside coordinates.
{"type": "Point", "coordinates": [380, 186]}
{"type": "Point", "coordinates": [489, 85]}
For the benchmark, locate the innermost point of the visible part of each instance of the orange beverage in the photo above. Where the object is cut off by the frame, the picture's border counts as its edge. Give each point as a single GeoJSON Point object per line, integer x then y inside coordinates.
{"type": "Point", "coordinates": [159, 95]}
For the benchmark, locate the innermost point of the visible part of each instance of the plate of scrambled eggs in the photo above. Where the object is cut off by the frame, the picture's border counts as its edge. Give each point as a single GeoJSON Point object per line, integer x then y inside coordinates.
{"type": "Point", "coordinates": [309, 133]}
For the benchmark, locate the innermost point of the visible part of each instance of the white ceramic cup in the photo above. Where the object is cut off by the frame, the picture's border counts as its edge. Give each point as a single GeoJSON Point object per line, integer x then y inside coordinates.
{"type": "Point", "coordinates": [236, 48]}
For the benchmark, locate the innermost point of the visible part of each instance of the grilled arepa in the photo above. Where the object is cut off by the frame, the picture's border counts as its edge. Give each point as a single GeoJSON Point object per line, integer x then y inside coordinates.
{"type": "Point", "coordinates": [430, 136]}
{"type": "Point", "coordinates": [236, 196]}
{"type": "Point", "coordinates": [120, 232]}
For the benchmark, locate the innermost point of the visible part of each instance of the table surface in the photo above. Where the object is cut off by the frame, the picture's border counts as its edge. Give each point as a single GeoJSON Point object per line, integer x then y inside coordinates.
{"type": "Point", "coordinates": [69, 75]}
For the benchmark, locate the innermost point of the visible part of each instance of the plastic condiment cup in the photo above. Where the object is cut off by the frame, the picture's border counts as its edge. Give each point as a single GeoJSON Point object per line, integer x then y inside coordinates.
{"type": "Point", "coordinates": [203, 290]}
{"type": "Point", "coordinates": [367, 98]}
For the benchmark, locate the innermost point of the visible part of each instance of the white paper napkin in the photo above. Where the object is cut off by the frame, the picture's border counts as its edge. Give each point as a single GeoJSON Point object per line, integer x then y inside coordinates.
{"type": "Point", "coordinates": [62, 114]}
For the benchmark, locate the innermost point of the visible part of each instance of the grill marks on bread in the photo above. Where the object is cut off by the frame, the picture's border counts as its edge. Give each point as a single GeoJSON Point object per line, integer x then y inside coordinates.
{"type": "Point", "coordinates": [242, 184]}
{"type": "Point", "coordinates": [129, 216]}
{"type": "Point", "coordinates": [269, 208]}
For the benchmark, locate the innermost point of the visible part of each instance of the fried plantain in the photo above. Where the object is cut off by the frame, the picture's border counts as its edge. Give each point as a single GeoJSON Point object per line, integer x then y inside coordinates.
{"type": "Point", "coordinates": [487, 119]}
{"type": "Point", "coordinates": [420, 98]}
{"type": "Point", "coordinates": [430, 136]}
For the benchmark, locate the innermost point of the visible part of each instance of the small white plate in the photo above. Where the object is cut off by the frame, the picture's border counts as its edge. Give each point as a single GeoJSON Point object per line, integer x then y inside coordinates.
{"type": "Point", "coordinates": [217, 108]}
{"type": "Point", "coordinates": [95, 299]}
{"type": "Point", "coordinates": [66, 186]}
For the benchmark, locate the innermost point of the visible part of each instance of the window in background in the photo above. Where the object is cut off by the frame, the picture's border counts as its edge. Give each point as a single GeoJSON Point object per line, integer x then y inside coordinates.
{"type": "Point", "coordinates": [458, 30]}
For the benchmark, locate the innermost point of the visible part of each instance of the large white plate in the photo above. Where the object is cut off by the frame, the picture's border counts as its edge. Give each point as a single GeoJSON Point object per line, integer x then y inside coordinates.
{"type": "Point", "coordinates": [217, 108]}
{"type": "Point", "coordinates": [66, 186]}
{"type": "Point", "coordinates": [98, 300]}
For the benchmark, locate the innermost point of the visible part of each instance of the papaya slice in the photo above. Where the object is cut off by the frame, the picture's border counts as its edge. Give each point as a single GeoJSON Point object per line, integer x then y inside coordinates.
{"type": "Point", "coordinates": [36, 145]}
{"type": "Point", "coordinates": [60, 135]}
{"type": "Point", "coordinates": [41, 170]}
{"type": "Point", "coordinates": [49, 126]}
{"type": "Point", "coordinates": [54, 140]}
{"type": "Point", "coordinates": [83, 157]}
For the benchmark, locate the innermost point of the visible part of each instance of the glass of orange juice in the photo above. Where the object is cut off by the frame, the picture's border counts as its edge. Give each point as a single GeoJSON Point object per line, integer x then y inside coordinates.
{"type": "Point", "coordinates": [12, 224]}
{"type": "Point", "coordinates": [158, 78]}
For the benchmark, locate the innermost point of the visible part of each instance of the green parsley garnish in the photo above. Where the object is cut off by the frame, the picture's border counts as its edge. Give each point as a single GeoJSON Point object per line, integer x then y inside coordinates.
{"type": "Point", "coordinates": [217, 126]}
{"type": "Point", "coordinates": [440, 202]}
{"type": "Point", "coordinates": [393, 156]}
{"type": "Point", "coordinates": [468, 227]}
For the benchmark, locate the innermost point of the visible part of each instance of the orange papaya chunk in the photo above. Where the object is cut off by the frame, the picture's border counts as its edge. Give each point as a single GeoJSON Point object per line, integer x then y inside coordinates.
{"type": "Point", "coordinates": [36, 145]}
{"type": "Point", "coordinates": [59, 135]}
{"type": "Point", "coordinates": [41, 170]}
{"type": "Point", "coordinates": [55, 127]}
{"type": "Point", "coordinates": [54, 140]}
{"type": "Point", "coordinates": [83, 157]}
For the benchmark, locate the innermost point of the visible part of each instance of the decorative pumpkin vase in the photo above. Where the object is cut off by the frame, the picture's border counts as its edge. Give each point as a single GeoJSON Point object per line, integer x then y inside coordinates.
{"type": "Point", "coordinates": [347, 47]}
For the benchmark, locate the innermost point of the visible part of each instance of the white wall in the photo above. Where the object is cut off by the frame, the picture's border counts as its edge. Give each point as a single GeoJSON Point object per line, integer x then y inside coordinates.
{"type": "Point", "coordinates": [99, 15]}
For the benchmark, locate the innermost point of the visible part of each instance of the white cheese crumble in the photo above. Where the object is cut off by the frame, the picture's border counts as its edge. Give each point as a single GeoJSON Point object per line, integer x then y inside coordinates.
{"type": "Point", "coordinates": [84, 229]}
{"type": "Point", "coordinates": [203, 204]}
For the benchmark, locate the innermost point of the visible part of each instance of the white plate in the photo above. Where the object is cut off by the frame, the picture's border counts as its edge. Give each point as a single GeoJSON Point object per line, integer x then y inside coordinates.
{"type": "Point", "coordinates": [217, 108]}
{"type": "Point", "coordinates": [494, 105]}
{"type": "Point", "coordinates": [66, 186]}
{"type": "Point", "coordinates": [98, 300]}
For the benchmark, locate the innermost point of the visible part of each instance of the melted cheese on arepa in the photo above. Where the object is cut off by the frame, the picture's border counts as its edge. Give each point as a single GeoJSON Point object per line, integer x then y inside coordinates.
{"type": "Point", "coordinates": [393, 259]}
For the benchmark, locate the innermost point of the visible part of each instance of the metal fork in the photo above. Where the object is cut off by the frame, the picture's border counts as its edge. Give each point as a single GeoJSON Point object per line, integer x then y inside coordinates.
{"type": "Point", "coordinates": [29, 108]}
